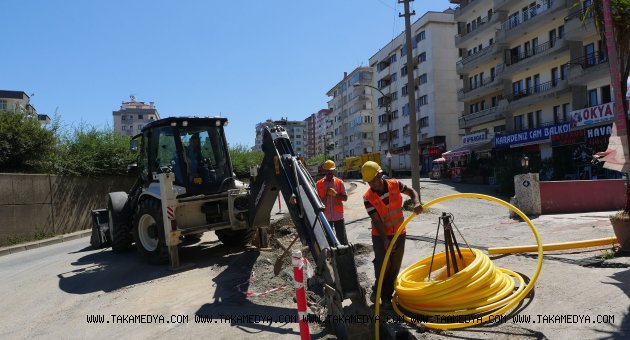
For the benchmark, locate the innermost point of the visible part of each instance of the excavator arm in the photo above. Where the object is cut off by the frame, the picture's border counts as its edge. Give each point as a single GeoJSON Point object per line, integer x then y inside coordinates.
{"type": "Point", "coordinates": [281, 171]}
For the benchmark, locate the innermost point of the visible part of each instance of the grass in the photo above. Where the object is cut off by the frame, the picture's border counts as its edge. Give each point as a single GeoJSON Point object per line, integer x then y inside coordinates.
{"type": "Point", "coordinates": [610, 253]}
{"type": "Point", "coordinates": [15, 240]}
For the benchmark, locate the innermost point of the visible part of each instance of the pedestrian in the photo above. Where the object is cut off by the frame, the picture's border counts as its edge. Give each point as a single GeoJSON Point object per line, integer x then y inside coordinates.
{"type": "Point", "coordinates": [333, 193]}
{"type": "Point", "coordinates": [383, 202]}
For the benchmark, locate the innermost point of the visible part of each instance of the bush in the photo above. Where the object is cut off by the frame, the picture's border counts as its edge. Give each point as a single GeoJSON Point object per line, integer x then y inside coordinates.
{"type": "Point", "coordinates": [89, 151]}
{"type": "Point", "coordinates": [25, 145]}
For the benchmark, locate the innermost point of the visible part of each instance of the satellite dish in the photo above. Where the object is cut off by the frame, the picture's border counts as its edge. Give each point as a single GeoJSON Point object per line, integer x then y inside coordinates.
{"type": "Point", "coordinates": [133, 98]}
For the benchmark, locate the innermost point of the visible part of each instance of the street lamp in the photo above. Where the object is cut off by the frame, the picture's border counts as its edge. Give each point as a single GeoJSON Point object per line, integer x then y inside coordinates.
{"type": "Point", "coordinates": [525, 163]}
{"type": "Point", "coordinates": [388, 116]}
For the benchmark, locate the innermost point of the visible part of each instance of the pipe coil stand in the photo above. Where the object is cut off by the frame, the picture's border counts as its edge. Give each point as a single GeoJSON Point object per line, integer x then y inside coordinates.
{"type": "Point", "coordinates": [478, 293]}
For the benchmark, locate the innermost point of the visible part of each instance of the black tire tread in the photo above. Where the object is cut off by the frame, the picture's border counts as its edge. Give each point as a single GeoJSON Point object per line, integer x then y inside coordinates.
{"type": "Point", "coordinates": [235, 238]}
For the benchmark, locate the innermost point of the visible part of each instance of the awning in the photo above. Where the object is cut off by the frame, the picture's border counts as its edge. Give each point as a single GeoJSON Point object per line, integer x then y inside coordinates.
{"type": "Point", "coordinates": [439, 160]}
{"type": "Point", "coordinates": [465, 150]}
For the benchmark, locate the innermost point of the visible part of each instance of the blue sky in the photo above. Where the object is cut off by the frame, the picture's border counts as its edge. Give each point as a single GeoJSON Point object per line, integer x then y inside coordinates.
{"type": "Point", "coordinates": [245, 60]}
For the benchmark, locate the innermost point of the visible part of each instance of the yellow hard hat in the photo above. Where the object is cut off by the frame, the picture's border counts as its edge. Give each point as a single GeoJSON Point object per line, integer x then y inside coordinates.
{"type": "Point", "coordinates": [369, 170]}
{"type": "Point", "coordinates": [329, 165]}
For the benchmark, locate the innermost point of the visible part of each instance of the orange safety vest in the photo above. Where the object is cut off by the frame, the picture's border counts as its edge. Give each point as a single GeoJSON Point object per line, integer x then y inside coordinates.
{"type": "Point", "coordinates": [392, 214]}
{"type": "Point", "coordinates": [337, 202]}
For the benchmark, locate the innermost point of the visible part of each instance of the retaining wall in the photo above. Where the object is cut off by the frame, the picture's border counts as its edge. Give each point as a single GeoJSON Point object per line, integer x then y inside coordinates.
{"type": "Point", "coordinates": [33, 204]}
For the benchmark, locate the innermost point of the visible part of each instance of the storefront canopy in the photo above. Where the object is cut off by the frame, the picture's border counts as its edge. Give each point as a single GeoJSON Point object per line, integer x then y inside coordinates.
{"type": "Point", "coordinates": [465, 150]}
{"type": "Point", "coordinates": [439, 160]}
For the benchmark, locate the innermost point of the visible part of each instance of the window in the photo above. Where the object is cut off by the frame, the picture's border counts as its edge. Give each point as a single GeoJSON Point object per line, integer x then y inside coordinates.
{"type": "Point", "coordinates": [423, 78]}
{"type": "Point", "coordinates": [403, 71]}
{"type": "Point", "coordinates": [530, 120]}
{"type": "Point", "coordinates": [592, 97]}
{"type": "Point", "coordinates": [424, 100]}
{"type": "Point", "coordinates": [394, 115]}
{"type": "Point", "coordinates": [139, 127]}
{"type": "Point", "coordinates": [518, 123]}
{"type": "Point", "coordinates": [403, 51]}
{"type": "Point", "coordinates": [139, 116]}
{"type": "Point", "coordinates": [124, 127]}
{"type": "Point", "coordinates": [554, 76]}
{"type": "Point", "coordinates": [561, 32]}
{"type": "Point", "coordinates": [421, 36]}
{"type": "Point", "coordinates": [564, 71]}
{"type": "Point", "coordinates": [422, 57]}
{"type": "Point", "coordinates": [403, 91]}
{"type": "Point", "coordinates": [538, 118]}
{"type": "Point", "coordinates": [556, 114]}
{"type": "Point", "coordinates": [121, 117]}
{"type": "Point", "coordinates": [423, 122]}
{"type": "Point", "coordinates": [394, 77]}
{"type": "Point", "coordinates": [606, 94]}
{"type": "Point", "coordinates": [405, 110]}
{"type": "Point", "coordinates": [552, 38]}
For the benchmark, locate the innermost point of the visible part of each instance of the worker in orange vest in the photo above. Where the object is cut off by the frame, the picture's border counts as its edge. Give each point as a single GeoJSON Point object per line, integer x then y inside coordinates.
{"type": "Point", "coordinates": [333, 193]}
{"type": "Point", "coordinates": [383, 202]}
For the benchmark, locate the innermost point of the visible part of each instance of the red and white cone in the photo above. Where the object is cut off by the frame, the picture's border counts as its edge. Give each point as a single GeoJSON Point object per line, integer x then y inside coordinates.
{"type": "Point", "coordinates": [300, 293]}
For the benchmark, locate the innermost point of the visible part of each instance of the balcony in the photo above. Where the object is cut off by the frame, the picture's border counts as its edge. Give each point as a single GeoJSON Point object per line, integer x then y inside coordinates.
{"type": "Point", "coordinates": [463, 7]}
{"type": "Point", "coordinates": [488, 115]}
{"type": "Point", "coordinates": [538, 94]}
{"type": "Point", "coordinates": [577, 30]}
{"type": "Point", "coordinates": [487, 86]}
{"type": "Point", "coordinates": [469, 63]}
{"type": "Point", "coordinates": [539, 54]}
{"type": "Point", "coordinates": [517, 26]}
{"type": "Point", "coordinates": [503, 5]}
{"type": "Point", "coordinates": [587, 68]}
{"type": "Point", "coordinates": [479, 26]}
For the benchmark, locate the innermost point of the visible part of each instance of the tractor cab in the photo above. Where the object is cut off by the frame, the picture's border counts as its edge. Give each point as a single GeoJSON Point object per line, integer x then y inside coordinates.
{"type": "Point", "coordinates": [193, 149]}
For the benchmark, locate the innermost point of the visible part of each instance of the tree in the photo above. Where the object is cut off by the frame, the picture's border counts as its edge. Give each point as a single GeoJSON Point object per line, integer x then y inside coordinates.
{"type": "Point", "coordinates": [25, 145]}
{"type": "Point", "coordinates": [243, 158]}
{"type": "Point", "coordinates": [89, 151]}
{"type": "Point", "coordinates": [621, 31]}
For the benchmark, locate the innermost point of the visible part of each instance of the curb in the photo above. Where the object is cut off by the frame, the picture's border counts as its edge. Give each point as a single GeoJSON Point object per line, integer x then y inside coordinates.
{"type": "Point", "coordinates": [37, 244]}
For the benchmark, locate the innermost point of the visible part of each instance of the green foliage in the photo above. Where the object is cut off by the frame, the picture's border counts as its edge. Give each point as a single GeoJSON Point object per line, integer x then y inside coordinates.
{"type": "Point", "coordinates": [317, 160]}
{"type": "Point", "coordinates": [243, 158]}
{"type": "Point", "coordinates": [89, 151]}
{"type": "Point", "coordinates": [25, 146]}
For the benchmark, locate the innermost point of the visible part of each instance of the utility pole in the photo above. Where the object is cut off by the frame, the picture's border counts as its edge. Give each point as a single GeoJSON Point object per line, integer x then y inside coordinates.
{"type": "Point", "coordinates": [411, 94]}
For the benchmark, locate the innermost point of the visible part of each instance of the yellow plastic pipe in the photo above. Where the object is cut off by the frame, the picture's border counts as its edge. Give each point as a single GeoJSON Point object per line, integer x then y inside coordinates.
{"type": "Point", "coordinates": [554, 246]}
{"type": "Point", "coordinates": [466, 288]}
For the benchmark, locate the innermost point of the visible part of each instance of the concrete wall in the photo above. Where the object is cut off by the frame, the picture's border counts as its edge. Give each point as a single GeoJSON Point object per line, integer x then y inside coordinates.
{"type": "Point", "coordinates": [35, 204]}
{"type": "Point", "coordinates": [582, 196]}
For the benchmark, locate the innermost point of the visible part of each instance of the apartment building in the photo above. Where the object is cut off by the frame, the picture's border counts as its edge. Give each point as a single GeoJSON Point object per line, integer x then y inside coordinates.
{"type": "Point", "coordinates": [535, 82]}
{"type": "Point", "coordinates": [435, 89]}
{"type": "Point", "coordinates": [20, 102]}
{"type": "Point", "coordinates": [323, 133]}
{"type": "Point", "coordinates": [133, 116]}
{"type": "Point", "coordinates": [351, 123]}
{"type": "Point", "coordinates": [295, 129]}
{"type": "Point", "coordinates": [310, 142]}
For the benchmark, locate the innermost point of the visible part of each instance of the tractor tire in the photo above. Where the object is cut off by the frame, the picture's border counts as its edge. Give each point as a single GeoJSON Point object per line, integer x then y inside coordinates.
{"type": "Point", "coordinates": [119, 222]}
{"type": "Point", "coordinates": [148, 232]}
{"type": "Point", "coordinates": [235, 238]}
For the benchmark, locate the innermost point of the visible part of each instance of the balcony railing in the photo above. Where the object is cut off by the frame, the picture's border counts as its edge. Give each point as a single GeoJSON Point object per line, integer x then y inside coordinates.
{"type": "Point", "coordinates": [481, 117]}
{"type": "Point", "coordinates": [472, 57]}
{"type": "Point", "coordinates": [516, 21]}
{"type": "Point", "coordinates": [578, 13]}
{"type": "Point", "coordinates": [533, 90]}
{"type": "Point", "coordinates": [537, 50]}
{"type": "Point", "coordinates": [589, 60]}
{"type": "Point", "coordinates": [475, 25]}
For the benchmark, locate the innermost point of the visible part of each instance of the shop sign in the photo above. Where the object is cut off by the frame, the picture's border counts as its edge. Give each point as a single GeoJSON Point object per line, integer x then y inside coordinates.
{"type": "Point", "coordinates": [474, 138]}
{"type": "Point", "coordinates": [529, 136]}
{"type": "Point", "coordinates": [568, 138]}
{"type": "Point", "coordinates": [592, 115]}
{"type": "Point", "coordinates": [598, 136]}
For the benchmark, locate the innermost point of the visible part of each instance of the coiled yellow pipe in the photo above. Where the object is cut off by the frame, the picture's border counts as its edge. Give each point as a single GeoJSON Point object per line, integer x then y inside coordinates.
{"type": "Point", "coordinates": [480, 287]}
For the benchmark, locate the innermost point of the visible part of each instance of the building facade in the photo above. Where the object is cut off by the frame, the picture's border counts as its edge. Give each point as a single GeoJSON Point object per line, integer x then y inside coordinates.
{"type": "Point", "coordinates": [350, 122]}
{"type": "Point", "coordinates": [324, 133]}
{"type": "Point", "coordinates": [295, 129]}
{"type": "Point", "coordinates": [133, 116]}
{"type": "Point", "coordinates": [435, 86]}
{"type": "Point", "coordinates": [535, 83]}
{"type": "Point", "coordinates": [310, 142]}
{"type": "Point", "coordinates": [20, 102]}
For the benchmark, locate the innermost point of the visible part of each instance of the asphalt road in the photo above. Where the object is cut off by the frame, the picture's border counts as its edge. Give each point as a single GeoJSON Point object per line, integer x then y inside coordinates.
{"type": "Point", "coordinates": [70, 291]}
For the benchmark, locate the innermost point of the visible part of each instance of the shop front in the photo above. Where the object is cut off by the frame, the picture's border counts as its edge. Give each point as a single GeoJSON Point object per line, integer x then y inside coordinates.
{"type": "Point", "coordinates": [469, 159]}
